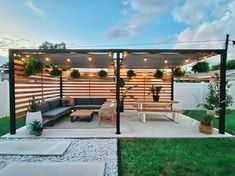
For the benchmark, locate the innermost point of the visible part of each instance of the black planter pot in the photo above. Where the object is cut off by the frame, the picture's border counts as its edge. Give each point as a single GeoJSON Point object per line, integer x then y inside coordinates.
{"type": "Point", "coordinates": [156, 97]}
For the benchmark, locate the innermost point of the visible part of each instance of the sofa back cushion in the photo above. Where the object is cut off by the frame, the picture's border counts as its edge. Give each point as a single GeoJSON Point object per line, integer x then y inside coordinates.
{"type": "Point", "coordinates": [45, 107]}
{"type": "Point", "coordinates": [98, 101]}
{"type": "Point", "coordinates": [53, 104]}
{"type": "Point", "coordinates": [83, 101]}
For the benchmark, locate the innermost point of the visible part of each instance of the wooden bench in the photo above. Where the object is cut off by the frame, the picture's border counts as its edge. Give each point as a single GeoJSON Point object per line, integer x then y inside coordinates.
{"type": "Point", "coordinates": [174, 112]}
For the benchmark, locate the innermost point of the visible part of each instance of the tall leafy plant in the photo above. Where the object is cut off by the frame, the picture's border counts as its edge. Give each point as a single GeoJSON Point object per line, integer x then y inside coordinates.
{"type": "Point", "coordinates": [213, 97]}
{"type": "Point", "coordinates": [34, 105]}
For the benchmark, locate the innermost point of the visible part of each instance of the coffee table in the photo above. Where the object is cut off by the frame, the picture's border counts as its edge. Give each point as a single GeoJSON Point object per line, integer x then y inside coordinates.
{"type": "Point", "coordinates": [86, 115]}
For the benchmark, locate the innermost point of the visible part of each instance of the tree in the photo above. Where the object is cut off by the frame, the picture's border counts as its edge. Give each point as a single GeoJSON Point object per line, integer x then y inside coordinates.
{"type": "Point", "coordinates": [201, 67]}
{"type": "Point", "coordinates": [48, 45]}
{"type": "Point", "coordinates": [230, 65]}
{"type": "Point", "coordinates": [215, 67]}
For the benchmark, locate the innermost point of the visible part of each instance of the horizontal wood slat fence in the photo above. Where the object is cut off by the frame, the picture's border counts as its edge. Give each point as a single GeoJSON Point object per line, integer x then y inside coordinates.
{"type": "Point", "coordinates": [44, 87]}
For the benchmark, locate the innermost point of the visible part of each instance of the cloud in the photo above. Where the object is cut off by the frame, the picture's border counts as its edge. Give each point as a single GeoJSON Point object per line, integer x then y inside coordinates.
{"type": "Point", "coordinates": [145, 12]}
{"type": "Point", "coordinates": [34, 8]}
{"type": "Point", "coordinates": [215, 30]}
{"type": "Point", "coordinates": [194, 12]}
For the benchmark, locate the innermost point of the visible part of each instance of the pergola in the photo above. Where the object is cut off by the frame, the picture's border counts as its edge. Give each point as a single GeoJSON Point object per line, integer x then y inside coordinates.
{"type": "Point", "coordinates": [121, 58]}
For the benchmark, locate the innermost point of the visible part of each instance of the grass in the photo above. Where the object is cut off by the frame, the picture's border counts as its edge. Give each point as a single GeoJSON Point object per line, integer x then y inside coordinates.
{"type": "Point", "coordinates": [229, 120]}
{"type": "Point", "coordinates": [177, 157]}
{"type": "Point", "coordinates": [5, 125]}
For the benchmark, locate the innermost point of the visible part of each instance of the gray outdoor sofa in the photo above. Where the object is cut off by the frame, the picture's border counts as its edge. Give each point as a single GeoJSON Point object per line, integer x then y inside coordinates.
{"type": "Point", "coordinates": [57, 108]}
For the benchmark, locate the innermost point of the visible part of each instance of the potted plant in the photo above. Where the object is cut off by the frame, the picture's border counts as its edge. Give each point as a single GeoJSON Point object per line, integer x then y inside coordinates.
{"type": "Point", "coordinates": [102, 73]}
{"type": "Point", "coordinates": [75, 74]}
{"type": "Point", "coordinates": [206, 124]}
{"type": "Point", "coordinates": [130, 73]}
{"type": "Point", "coordinates": [158, 74]}
{"type": "Point", "coordinates": [155, 91]}
{"type": "Point", "coordinates": [33, 65]}
{"type": "Point", "coordinates": [55, 72]}
{"type": "Point", "coordinates": [34, 111]}
{"type": "Point", "coordinates": [124, 94]}
{"type": "Point", "coordinates": [178, 72]}
{"type": "Point", "coordinates": [36, 128]}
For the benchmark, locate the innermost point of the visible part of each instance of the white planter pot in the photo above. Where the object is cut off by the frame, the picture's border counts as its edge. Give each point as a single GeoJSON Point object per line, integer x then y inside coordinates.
{"type": "Point", "coordinates": [31, 116]}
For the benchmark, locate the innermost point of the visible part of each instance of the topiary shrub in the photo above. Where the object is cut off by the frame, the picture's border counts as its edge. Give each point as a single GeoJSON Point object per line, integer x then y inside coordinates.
{"type": "Point", "coordinates": [55, 72]}
{"type": "Point", "coordinates": [178, 72]}
{"type": "Point", "coordinates": [33, 65]}
{"type": "Point", "coordinates": [75, 74]}
{"type": "Point", "coordinates": [201, 67]}
{"type": "Point", "coordinates": [158, 74]}
{"type": "Point", "coordinates": [130, 73]}
{"type": "Point", "coordinates": [102, 73]}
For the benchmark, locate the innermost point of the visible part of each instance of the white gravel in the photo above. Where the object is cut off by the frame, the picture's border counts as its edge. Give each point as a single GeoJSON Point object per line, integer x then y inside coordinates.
{"type": "Point", "coordinates": [80, 150]}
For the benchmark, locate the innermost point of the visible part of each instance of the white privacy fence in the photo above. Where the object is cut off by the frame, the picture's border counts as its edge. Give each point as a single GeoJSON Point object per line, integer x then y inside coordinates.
{"type": "Point", "coordinates": [189, 95]}
{"type": "Point", "coordinates": [4, 99]}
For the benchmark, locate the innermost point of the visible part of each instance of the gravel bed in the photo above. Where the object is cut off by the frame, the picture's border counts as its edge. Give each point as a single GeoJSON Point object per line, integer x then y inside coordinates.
{"type": "Point", "coordinates": [79, 150]}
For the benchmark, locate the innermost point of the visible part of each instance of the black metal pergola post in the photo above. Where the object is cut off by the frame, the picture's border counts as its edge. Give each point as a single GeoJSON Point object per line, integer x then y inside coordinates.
{"type": "Point", "coordinates": [12, 92]}
{"type": "Point", "coordinates": [118, 93]}
{"type": "Point", "coordinates": [223, 60]}
{"type": "Point", "coordinates": [61, 87]}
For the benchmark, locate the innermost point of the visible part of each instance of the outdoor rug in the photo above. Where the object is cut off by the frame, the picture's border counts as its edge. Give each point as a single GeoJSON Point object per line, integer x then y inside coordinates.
{"type": "Point", "coordinates": [33, 147]}
{"type": "Point", "coordinates": [65, 123]}
{"type": "Point", "coordinates": [54, 168]}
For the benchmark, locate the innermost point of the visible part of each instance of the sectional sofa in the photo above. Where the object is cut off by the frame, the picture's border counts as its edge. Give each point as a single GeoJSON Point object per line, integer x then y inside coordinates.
{"type": "Point", "coordinates": [57, 108]}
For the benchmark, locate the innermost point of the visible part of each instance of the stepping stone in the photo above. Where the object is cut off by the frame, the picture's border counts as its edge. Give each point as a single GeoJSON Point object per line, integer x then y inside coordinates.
{"type": "Point", "coordinates": [54, 168]}
{"type": "Point", "coordinates": [34, 147]}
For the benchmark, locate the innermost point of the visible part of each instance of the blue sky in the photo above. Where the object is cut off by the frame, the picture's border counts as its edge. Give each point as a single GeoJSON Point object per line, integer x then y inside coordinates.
{"type": "Point", "coordinates": [79, 23]}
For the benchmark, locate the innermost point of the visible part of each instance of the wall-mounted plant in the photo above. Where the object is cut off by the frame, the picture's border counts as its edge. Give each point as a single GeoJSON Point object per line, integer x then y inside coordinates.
{"type": "Point", "coordinates": [178, 72]}
{"type": "Point", "coordinates": [75, 74]}
{"type": "Point", "coordinates": [102, 73]}
{"type": "Point", "coordinates": [158, 74]}
{"type": "Point", "coordinates": [33, 65]}
{"type": "Point", "coordinates": [55, 72]}
{"type": "Point", "coordinates": [130, 74]}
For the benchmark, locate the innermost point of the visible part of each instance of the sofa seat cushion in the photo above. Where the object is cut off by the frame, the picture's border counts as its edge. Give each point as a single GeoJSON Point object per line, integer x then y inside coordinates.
{"type": "Point", "coordinates": [56, 112]}
{"type": "Point", "coordinates": [87, 106]}
{"type": "Point", "coordinates": [45, 107]}
{"type": "Point", "coordinates": [53, 104]}
{"type": "Point", "coordinates": [83, 101]}
{"type": "Point", "coordinates": [98, 101]}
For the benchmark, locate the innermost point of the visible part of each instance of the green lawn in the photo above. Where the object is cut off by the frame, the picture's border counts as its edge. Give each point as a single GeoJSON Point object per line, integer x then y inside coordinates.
{"type": "Point", "coordinates": [229, 121]}
{"type": "Point", "coordinates": [4, 124]}
{"type": "Point", "coordinates": [177, 157]}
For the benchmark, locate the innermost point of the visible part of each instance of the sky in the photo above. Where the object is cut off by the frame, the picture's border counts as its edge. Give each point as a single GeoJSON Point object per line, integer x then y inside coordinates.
{"type": "Point", "coordinates": [116, 24]}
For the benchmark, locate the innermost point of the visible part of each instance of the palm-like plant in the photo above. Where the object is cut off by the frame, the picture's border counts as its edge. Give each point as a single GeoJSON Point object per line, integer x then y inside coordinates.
{"type": "Point", "coordinates": [34, 105]}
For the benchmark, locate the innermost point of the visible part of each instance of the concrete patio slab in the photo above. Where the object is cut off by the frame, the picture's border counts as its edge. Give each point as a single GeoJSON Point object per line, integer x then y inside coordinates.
{"type": "Point", "coordinates": [29, 147]}
{"type": "Point", "coordinates": [156, 126]}
{"type": "Point", "coordinates": [54, 168]}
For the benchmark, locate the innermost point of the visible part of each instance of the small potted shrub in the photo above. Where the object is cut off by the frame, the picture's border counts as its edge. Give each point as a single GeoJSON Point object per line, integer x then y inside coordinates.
{"type": "Point", "coordinates": [33, 65]}
{"type": "Point", "coordinates": [178, 72]}
{"type": "Point", "coordinates": [158, 74]}
{"type": "Point", "coordinates": [130, 74]}
{"type": "Point", "coordinates": [55, 72]}
{"type": "Point", "coordinates": [36, 128]}
{"type": "Point", "coordinates": [34, 111]}
{"type": "Point", "coordinates": [155, 91]}
{"type": "Point", "coordinates": [206, 124]}
{"type": "Point", "coordinates": [102, 73]}
{"type": "Point", "coordinates": [75, 74]}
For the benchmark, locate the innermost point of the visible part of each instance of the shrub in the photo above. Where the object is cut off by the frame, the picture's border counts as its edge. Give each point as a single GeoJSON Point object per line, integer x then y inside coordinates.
{"type": "Point", "coordinates": [75, 74]}
{"type": "Point", "coordinates": [207, 119]}
{"type": "Point", "coordinates": [231, 64]}
{"type": "Point", "coordinates": [158, 74]}
{"type": "Point", "coordinates": [215, 67]}
{"type": "Point", "coordinates": [201, 67]}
